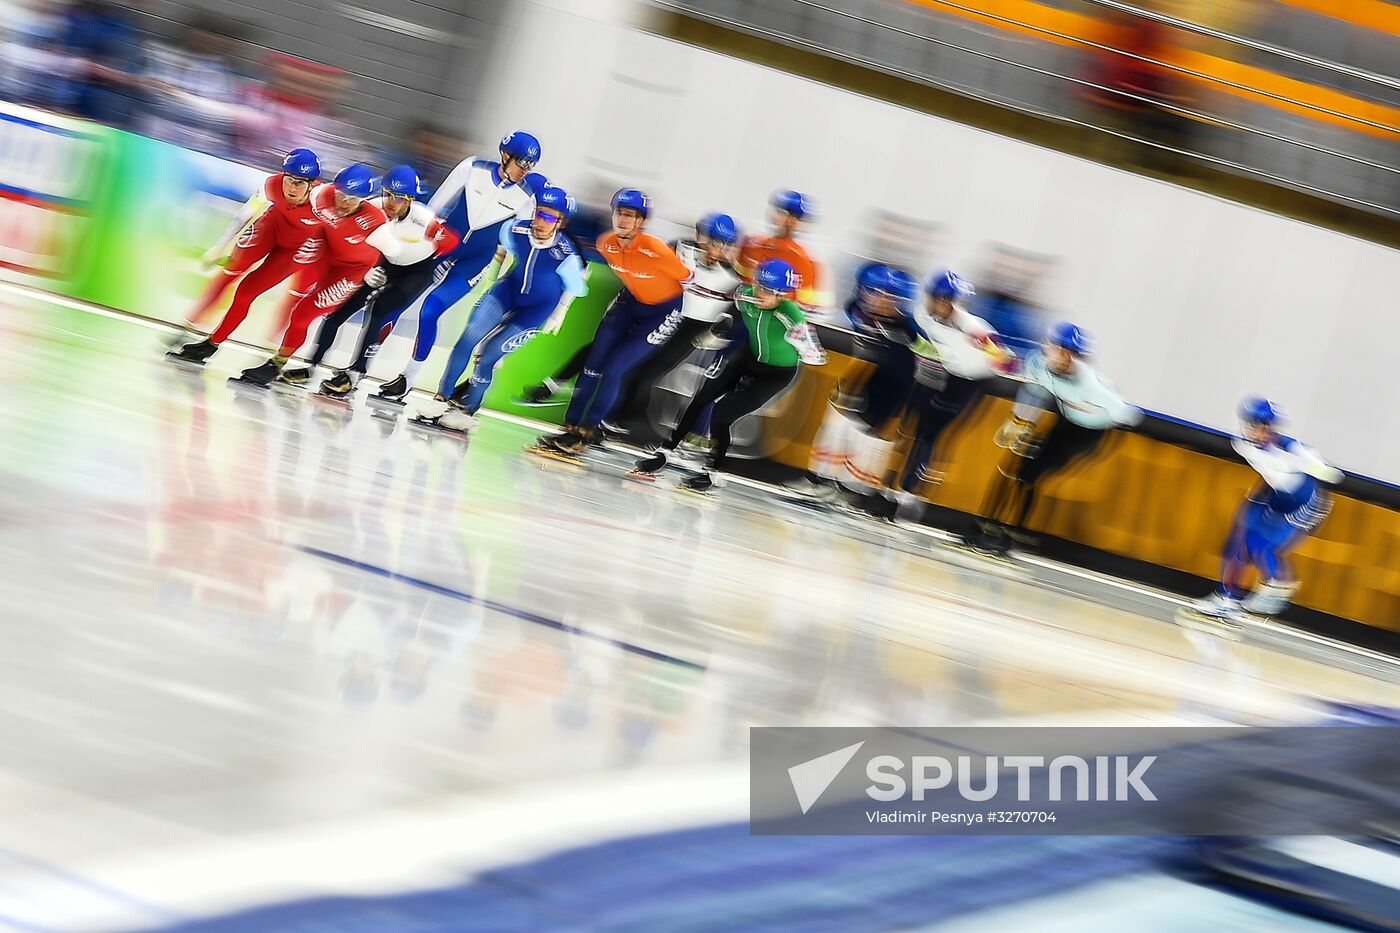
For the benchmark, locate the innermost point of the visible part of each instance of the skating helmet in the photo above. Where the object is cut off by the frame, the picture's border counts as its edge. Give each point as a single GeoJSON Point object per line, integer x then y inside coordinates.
{"type": "Point", "coordinates": [402, 182]}
{"type": "Point", "coordinates": [794, 202]}
{"type": "Point", "coordinates": [636, 200]}
{"type": "Point", "coordinates": [356, 180]}
{"type": "Point", "coordinates": [873, 278]}
{"type": "Point", "coordinates": [718, 227]}
{"type": "Point", "coordinates": [948, 285]}
{"type": "Point", "coordinates": [556, 199]}
{"type": "Point", "coordinates": [778, 275]}
{"type": "Point", "coordinates": [522, 147]}
{"type": "Point", "coordinates": [903, 285]}
{"type": "Point", "coordinates": [1071, 337]}
{"type": "Point", "coordinates": [1258, 410]}
{"type": "Point", "coordinates": [302, 163]}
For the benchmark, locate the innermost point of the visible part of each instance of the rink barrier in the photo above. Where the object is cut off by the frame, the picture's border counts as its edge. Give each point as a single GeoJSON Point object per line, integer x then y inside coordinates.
{"type": "Point", "coordinates": [1162, 495]}
{"type": "Point", "coordinates": [1165, 494]}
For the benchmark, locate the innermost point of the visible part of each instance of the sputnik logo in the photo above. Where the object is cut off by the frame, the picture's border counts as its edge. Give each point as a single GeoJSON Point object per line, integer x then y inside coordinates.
{"type": "Point", "coordinates": [811, 778]}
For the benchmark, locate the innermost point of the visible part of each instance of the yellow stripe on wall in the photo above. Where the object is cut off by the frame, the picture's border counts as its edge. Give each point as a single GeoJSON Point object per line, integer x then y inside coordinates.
{"type": "Point", "coordinates": [1074, 29]}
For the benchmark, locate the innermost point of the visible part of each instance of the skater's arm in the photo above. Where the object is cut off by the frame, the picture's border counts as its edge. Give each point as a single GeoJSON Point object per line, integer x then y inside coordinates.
{"type": "Point", "coordinates": [1034, 397]}
{"type": "Point", "coordinates": [1106, 406]}
{"type": "Point", "coordinates": [1284, 468]}
{"type": "Point", "coordinates": [454, 184]}
{"type": "Point", "coordinates": [250, 210]}
{"type": "Point", "coordinates": [383, 239]}
{"type": "Point", "coordinates": [1312, 464]}
{"type": "Point", "coordinates": [571, 272]}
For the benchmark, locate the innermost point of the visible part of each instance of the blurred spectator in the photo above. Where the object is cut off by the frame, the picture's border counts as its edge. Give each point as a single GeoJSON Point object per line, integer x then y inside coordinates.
{"type": "Point", "coordinates": [195, 98]}
{"type": "Point", "coordinates": [110, 43]}
{"type": "Point", "coordinates": [1131, 88]}
{"type": "Point", "coordinates": [37, 68]}
{"type": "Point", "coordinates": [1007, 297]}
{"type": "Point", "coordinates": [594, 215]}
{"type": "Point", "coordinates": [302, 106]}
{"type": "Point", "coordinates": [894, 239]}
{"type": "Point", "coordinates": [430, 150]}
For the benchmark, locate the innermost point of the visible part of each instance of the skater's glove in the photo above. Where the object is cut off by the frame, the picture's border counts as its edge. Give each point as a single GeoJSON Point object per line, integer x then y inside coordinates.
{"type": "Point", "coordinates": [1015, 434]}
{"type": "Point", "coordinates": [555, 320]}
{"type": "Point", "coordinates": [376, 277]}
{"type": "Point", "coordinates": [803, 337]}
{"type": "Point", "coordinates": [213, 257]}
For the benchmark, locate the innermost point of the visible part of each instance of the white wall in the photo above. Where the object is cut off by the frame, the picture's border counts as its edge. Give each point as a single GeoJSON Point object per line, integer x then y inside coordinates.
{"type": "Point", "coordinates": [1195, 301]}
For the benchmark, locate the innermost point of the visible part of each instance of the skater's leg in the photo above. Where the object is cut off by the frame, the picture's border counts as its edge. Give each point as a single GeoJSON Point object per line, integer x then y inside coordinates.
{"type": "Point", "coordinates": [254, 246]}
{"type": "Point", "coordinates": [1066, 445]}
{"type": "Point", "coordinates": [716, 383]}
{"type": "Point", "coordinates": [867, 457]}
{"type": "Point", "coordinates": [655, 367]}
{"type": "Point", "coordinates": [934, 413]}
{"type": "Point", "coordinates": [575, 365]}
{"type": "Point", "coordinates": [486, 317]}
{"type": "Point", "coordinates": [633, 349]}
{"type": "Point", "coordinates": [330, 327]}
{"type": "Point", "coordinates": [388, 306]}
{"type": "Point", "coordinates": [341, 283]}
{"type": "Point", "coordinates": [761, 386]}
{"type": "Point", "coordinates": [830, 449]}
{"type": "Point", "coordinates": [452, 289]}
{"type": "Point", "coordinates": [506, 339]}
{"type": "Point", "coordinates": [263, 278]}
{"type": "Point", "coordinates": [615, 324]}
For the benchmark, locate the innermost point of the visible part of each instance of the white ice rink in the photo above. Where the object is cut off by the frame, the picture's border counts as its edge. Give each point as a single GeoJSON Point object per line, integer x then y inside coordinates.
{"type": "Point", "coordinates": [252, 645]}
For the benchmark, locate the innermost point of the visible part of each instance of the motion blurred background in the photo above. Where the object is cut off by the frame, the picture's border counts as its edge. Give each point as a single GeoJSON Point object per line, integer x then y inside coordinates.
{"type": "Point", "coordinates": [1212, 187]}
{"type": "Point", "coordinates": [926, 128]}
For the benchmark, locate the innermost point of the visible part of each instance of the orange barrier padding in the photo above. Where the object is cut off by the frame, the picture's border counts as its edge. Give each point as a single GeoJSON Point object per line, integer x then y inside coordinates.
{"type": "Point", "coordinates": [1149, 500]}
{"type": "Point", "coordinates": [1257, 83]}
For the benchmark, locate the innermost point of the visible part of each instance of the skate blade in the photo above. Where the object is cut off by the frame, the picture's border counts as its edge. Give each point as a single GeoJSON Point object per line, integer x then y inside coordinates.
{"type": "Point", "coordinates": [386, 404]}
{"type": "Point", "coordinates": [637, 476]}
{"type": "Point", "coordinates": [332, 401]}
{"type": "Point", "coordinates": [189, 366]}
{"type": "Point", "coordinates": [287, 388]}
{"type": "Point", "coordinates": [695, 496]}
{"type": "Point", "coordinates": [1226, 627]}
{"type": "Point", "coordinates": [240, 384]}
{"type": "Point", "coordinates": [551, 455]}
{"type": "Point", "coordinates": [1002, 562]}
{"type": "Point", "coordinates": [431, 425]}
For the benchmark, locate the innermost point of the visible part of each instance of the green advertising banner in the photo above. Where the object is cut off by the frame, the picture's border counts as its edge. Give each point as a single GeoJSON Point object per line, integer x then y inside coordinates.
{"type": "Point", "coordinates": [126, 220]}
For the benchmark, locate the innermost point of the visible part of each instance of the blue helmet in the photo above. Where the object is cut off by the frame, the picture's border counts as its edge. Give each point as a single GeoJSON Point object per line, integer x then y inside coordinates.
{"type": "Point", "coordinates": [302, 163]}
{"type": "Point", "coordinates": [1071, 337]}
{"type": "Point", "coordinates": [1259, 410]}
{"type": "Point", "coordinates": [556, 199]}
{"type": "Point", "coordinates": [634, 199]}
{"type": "Point", "coordinates": [356, 180]}
{"type": "Point", "coordinates": [903, 285]}
{"type": "Point", "coordinates": [777, 275]}
{"type": "Point", "coordinates": [402, 182]}
{"type": "Point", "coordinates": [949, 285]}
{"type": "Point", "coordinates": [793, 202]}
{"type": "Point", "coordinates": [718, 227]}
{"type": "Point", "coordinates": [874, 277]}
{"type": "Point", "coordinates": [522, 147]}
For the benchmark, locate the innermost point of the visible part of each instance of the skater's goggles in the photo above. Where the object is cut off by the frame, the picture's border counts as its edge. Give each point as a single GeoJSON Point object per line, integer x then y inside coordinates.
{"type": "Point", "coordinates": [549, 215]}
